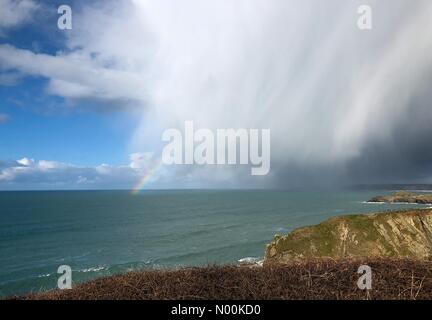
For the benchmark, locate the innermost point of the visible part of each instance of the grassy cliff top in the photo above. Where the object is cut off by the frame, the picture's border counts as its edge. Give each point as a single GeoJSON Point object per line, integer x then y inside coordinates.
{"type": "Point", "coordinates": [397, 234]}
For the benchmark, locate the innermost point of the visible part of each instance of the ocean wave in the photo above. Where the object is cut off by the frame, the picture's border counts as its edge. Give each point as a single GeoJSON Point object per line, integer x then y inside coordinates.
{"type": "Point", "coordinates": [419, 204]}
{"type": "Point", "coordinates": [44, 275]}
{"type": "Point", "coordinates": [85, 270]}
{"type": "Point", "coordinates": [252, 261]}
{"type": "Point", "coordinates": [249, 260]}
{"type": "Point", "coordinates": [92, 269]}
{"type": "Point", "coordinates": [389, 203]}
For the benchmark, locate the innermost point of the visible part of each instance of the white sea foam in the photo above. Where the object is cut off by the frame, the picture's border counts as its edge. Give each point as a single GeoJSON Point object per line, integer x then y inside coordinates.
{"type": "Point", "coordinates": [92, 269]}
{"type": "Point", "coordinates": [249, 260]}
{"type": "Point", "coordinates": [252, 261]}
{"type": "Point", "coordinates": [44, 275]}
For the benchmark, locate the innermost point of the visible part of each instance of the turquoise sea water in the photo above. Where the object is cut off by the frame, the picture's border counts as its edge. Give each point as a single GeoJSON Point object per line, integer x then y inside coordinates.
{"type": "Point", "coordinates": [100, 233]}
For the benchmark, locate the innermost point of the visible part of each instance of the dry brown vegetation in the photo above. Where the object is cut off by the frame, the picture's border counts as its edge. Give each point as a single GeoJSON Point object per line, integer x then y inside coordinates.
{"type": "Point", "coordinates": [392, 279]}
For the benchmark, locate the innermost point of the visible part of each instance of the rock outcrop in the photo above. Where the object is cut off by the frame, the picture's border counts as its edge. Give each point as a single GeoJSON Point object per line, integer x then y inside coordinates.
{"type": "Point", "coordinates": [404, 197]}
{"type": "Point", "coordinates": [400, 234]}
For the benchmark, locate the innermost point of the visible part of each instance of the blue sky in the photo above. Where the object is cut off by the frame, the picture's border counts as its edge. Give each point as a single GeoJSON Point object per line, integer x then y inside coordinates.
{"type": "Point", "coordinates": [44, 126]}
{"type": "Point", "coordinates": [47, 127]}
{"type": "Point", "coordinates": [39, 125]}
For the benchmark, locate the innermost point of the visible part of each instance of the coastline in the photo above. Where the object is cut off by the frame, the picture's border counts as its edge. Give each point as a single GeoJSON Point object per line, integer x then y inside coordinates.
{"type": "Point", "coordinates": [251, 258]}
{"type": "Point", "coordinates": [254, 278]}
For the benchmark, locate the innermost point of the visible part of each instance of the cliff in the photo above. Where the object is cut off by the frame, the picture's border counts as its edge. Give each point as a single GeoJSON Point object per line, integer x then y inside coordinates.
{"type": "Point", "coordinates": [404, 197]}
{"type": "Point", "coordinates": [400, 234]}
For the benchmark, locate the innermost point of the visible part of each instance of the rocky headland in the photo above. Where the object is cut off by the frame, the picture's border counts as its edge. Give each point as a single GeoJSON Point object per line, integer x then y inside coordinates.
{"type": "Point", "coordinates": [404, 197]}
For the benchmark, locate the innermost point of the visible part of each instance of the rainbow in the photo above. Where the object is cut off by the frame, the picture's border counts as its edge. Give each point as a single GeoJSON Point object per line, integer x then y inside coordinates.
{"type": "Point", "coordinates": [148, 175]}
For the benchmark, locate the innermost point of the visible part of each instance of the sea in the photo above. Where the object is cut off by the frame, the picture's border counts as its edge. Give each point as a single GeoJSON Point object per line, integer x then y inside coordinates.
{"type": "Point", "coordinates": [102, 233]}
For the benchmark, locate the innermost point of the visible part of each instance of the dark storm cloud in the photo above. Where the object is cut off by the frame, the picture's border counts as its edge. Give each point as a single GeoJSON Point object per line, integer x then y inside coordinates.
{"type": "Point", "coordinates": [406, 155]}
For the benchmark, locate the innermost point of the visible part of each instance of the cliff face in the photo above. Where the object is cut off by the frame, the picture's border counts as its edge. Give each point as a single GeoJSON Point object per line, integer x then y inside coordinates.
{"type": "Point", "coordinates": [403, 234]}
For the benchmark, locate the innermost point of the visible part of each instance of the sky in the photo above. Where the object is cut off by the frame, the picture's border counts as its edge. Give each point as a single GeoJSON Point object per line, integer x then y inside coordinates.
{"type": "Point", "coordinates": [85, 108]}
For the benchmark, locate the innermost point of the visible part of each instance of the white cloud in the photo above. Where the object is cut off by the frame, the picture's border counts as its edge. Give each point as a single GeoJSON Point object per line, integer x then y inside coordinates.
{"type": "Point", "coordinates": [52, 174]}
{"type": "Point", "coordinates": [74, 75]}
{"type": "Point", "coordinates": [16, 12]}
{"type": "Point", "coordinates": [26, 162]}
{"type": "Point", "coordinates": [140, 160]}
